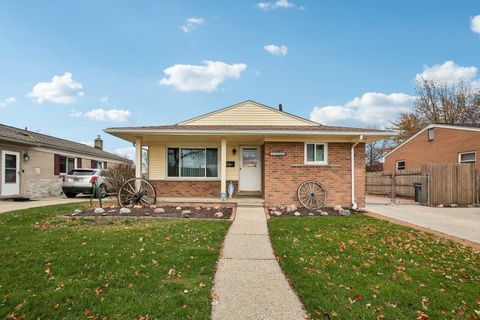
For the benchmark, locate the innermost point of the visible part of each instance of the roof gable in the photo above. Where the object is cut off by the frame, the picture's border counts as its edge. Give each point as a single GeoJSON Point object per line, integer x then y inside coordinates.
{"type": "Point", "coordinates": [249, 113]}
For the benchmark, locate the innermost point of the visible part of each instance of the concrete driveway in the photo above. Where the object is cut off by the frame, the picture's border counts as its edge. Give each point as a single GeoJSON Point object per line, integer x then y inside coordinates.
{"type": "Point", "coordinates": [9, 205]}
{"type": "Point", "coordinates": [463, 223]}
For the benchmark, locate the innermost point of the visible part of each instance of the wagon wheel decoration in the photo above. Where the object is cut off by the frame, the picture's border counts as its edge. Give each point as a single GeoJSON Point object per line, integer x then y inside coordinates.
{"type": "Point", "coordinates": [137, 191]}
{"type": "Point", "coordinates": [312, 194]}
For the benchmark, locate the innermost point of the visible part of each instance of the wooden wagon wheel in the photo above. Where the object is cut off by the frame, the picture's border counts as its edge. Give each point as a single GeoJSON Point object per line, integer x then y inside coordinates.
{"type": "Point", "coordinates": [137, 191]}
{"type": "Point", "coordinates": [312, 194]}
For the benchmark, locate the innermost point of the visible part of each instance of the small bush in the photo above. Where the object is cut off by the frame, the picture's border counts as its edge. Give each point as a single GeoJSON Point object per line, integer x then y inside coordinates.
{"type": "Point", "coordinates": [116, 176]}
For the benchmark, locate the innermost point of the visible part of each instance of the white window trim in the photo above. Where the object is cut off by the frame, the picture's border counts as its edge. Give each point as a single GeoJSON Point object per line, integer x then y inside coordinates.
{"type": "Point", "coordinates": [396, 165]}
{"type": "Point", "coordinates": [428, 134]}
{"type": "Point", "coordinates": [66, 165]}
{"type": "Point", "coordinates": [319, 163]}
{"type": "Point", "coordinates": [466, 152]}
{"type": "Point", "coordinates": [167, 177]}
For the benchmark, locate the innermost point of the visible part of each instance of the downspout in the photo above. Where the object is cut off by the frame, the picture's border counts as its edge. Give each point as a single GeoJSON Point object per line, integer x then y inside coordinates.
{"type": "Point", "coordinates": [354, 204]}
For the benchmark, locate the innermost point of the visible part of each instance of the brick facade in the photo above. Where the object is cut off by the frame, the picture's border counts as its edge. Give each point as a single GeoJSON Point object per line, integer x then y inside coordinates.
{"type": "Point", "coordinates": [283, 174]}
{"type": "Point", "coordinates": [444, 148]}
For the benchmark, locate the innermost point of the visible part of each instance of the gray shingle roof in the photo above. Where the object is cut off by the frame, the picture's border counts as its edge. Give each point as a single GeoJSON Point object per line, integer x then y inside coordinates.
{"type": "Point", "coordinates": [16, 135]}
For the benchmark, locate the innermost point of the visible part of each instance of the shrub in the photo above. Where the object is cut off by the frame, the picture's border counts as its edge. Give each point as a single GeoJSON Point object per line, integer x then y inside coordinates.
{"type": "Point", "coordinates": [116, 176]}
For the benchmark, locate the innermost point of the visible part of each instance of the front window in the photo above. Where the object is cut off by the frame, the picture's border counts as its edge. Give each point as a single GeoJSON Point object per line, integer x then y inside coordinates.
{"type": "Point", "coordinates": [467, 157]}
{"type": "Point", "coordinates": [67, 164]}
{"type": "Point", "coordinates": [192, 162]}
{"type": "Point", "coordinates": [316, 153]}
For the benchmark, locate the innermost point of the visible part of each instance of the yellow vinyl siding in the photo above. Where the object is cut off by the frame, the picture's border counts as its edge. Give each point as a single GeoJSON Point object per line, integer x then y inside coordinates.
{"type": "Point", "coordinates": [232, 173]}
{"type": "Point", "coordinates": [248, 113]}
{"type": "Point", "coordinates": [156, 162]}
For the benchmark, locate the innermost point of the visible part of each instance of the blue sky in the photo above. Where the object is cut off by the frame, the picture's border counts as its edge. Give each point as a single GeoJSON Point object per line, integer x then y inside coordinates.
{"type": "Point", "coordinates": [126, 63]}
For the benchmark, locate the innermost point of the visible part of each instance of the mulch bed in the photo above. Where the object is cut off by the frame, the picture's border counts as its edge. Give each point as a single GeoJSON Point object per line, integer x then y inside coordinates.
{"type": "Point", "coordinates": [304, 212]}
{"type": "Point", "coordinates": [170, 212]}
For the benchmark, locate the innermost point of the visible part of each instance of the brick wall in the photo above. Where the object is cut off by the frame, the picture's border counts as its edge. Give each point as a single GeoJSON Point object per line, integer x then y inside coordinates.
{"type": "Point", "coordinates": [168, 188]}
{"type": "Point", "coordinates": [284, 174]}
{"type": "Point", "coordinates": [446, 146]}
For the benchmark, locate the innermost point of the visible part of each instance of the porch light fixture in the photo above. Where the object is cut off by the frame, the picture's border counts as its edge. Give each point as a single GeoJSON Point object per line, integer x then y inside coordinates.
{"type": "Point", "coordinates": [26, 157]}
{"type": "Point", "coordinates": [234, 151]}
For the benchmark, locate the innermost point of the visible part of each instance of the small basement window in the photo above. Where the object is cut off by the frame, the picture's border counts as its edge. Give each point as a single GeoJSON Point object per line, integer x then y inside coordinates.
{"type": "Point", "coordinates": [467, 157]}
{"type": "Point", "coordinates": [316, 153]}
{"type": "Point", "coordinates": [431, 134]}
{"type": "Point", "coordinates": [401, 165]}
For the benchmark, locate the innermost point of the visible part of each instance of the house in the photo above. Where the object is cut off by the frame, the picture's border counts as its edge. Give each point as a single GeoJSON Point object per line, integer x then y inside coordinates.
{"type": "Point", "coordinates": [265, 152]}
{"type": "Point", "coordinates": [436, 144]}
{"type": "Point", "coordinates": [32, 163]}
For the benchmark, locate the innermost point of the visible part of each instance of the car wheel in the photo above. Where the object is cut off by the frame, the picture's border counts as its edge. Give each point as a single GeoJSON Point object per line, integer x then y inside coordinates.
{"type": "Point", "coordinates": [70, 195]}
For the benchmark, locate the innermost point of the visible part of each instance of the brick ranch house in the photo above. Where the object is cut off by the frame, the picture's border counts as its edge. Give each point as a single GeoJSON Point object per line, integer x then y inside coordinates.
{"type": "Point", "coordinates": [32, 163]}
{"type": "Point", "coordinates": [436, 144]}
{"type": "Point", "coordinates": [264, 151]}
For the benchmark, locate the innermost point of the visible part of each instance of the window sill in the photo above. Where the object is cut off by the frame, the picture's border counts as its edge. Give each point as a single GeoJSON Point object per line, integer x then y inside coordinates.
{"type": "Point", "coordinates": [314, 165]}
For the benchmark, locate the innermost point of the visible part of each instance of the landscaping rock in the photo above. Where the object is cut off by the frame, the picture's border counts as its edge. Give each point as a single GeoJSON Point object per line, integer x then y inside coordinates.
{"type": "Point", "coordinates": [311, 214]}
{"type": "Point", "coordinates": [186, 213]}
{"type": "Point", "coordinates": [125, 211]}
{"type": "Point", "coordinates": [338, 208]}
{"type": "Point", "coordinates": [277, 213]}
{"type": "Point", "coordinates": [152, 206]}
{"type": "Point", "coordinates": [440, 206]}
{"type": "Point", "coordinates": [138, 206]}
{"type": "Point", "coordinates": [178, 208]}
{"type": "Point", "coordinates": [112, 211]}
{"type": "Point", "coordinates": [147, 213]}
{"type": "Point", "coordinates": [99, 210]}
{"type": "Point", "coordinates": [344, 212]}
{"type": "Point", "coordinates": [273, 208]}
{"type": "Point", "coordinates": [198, 208]}
{"type": "Point", "coordinates": [159, 210]}
{"type": "Point", "coordinates": [297, 214]}
{"type": "Point", "coordinates": [218, 214]}
{"type": "Point", "coordinates": [324, 213]}
{"type": "Point", "coordinates": [454, 205]}
{"type": "Point", "coordinates": [77, 211]}
{"type": "Point", "coordinates": [291, 208]}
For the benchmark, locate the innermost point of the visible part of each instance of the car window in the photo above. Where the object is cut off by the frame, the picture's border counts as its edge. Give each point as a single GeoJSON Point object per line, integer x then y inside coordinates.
{"type": "Point", "coordinates": [81, 172]}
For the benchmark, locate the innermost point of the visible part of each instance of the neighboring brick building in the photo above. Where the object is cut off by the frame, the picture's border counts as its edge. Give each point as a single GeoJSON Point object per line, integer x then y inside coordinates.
{"type": "Point", "coordinates": [265, 152]}
{"type": "Point", "coordinates": [32, 164]}
{"type": "Point", "coordinates": [436, 144]}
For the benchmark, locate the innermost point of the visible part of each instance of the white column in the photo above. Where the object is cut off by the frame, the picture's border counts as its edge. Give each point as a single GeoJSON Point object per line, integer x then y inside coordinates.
{"type": "Point", "coordinates": [223, 165]}
{"type": "Point", "coordinates": [138, 157]}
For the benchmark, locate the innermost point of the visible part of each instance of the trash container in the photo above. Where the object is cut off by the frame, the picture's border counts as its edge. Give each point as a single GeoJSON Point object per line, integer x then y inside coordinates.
{"type": "Point", "coordinates": [418, 191]}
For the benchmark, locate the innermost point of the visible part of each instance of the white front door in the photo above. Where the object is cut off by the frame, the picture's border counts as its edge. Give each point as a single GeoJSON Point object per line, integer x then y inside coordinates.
{"type": "Point", "coordinates": [10, 173]}
{"type": "Point", "coordinates": [250, 169]}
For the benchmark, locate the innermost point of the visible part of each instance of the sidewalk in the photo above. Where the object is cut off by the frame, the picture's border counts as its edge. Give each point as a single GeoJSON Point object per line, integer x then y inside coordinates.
{"type": "Point", "coordinates": [249, 283]}
{"type": "Point", "coordinates": [9, 205]}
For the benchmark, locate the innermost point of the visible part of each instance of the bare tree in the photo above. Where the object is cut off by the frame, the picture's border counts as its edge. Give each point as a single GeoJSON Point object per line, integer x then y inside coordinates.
{"type": "Point", "coordinates": [451, 103]}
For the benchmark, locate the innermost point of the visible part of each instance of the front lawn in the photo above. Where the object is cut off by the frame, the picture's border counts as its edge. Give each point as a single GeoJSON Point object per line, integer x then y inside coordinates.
{"type": "Point", "coordinates": [363, 268]}
{"type": "Point", "coordinates": [53, 268]}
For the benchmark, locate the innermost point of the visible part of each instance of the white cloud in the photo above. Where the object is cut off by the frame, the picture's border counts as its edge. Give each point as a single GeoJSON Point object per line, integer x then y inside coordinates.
{"type": "Point", "coordinates": [62, 89]}
{"type": "Point", "coordinates": [88, 143]}
{"type": "Point", "coordinates": [475, 24]}
{"type": "Point", "coordinates": [372, 109]}
{"type": "Point", "coordinates": [104, 99]}
{"type": "Point", "coordinates": [126, 152]}
{"type": "Point", "coordinates": [108, 115]}
{"type": "Point", "coordinates": [208, 77]}
{"type": "Point", "coordinates": [275, 50]}
{"type": "Point", "coordinates": [449, 71]}
{"type": "Point", "coordinates": [192, 23]}
{"type": "Point", "coordinates": [7, 101]}
{"type": "Point", "coordinates": [279, 4]}
{"type": "Point", "coordinates": [75, 113]}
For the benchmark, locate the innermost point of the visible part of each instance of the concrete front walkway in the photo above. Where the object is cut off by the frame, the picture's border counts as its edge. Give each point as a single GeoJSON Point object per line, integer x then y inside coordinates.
{"type": "Point", "coordinates": [249, 283]}
{"type": "Point", "coordinates": [462, 223]}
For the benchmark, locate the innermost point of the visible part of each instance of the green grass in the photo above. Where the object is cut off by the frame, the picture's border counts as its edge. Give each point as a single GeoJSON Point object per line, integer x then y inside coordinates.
{"type": "Point", "coordinates": [52, 267]}
{"type": "Point", "coordinates": [363, 268]}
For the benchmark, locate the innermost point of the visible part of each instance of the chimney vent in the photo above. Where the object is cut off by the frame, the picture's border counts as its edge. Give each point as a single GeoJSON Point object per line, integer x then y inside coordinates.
{"type": "Point", "coordinates": [99, 143]}
{"type": "Point", "coordinates": [280, 107]}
